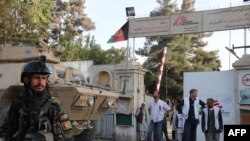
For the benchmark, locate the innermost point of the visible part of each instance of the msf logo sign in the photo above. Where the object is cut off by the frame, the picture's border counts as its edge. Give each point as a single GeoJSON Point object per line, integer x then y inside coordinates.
{"type": "Point", "coordinates": [237, 132]}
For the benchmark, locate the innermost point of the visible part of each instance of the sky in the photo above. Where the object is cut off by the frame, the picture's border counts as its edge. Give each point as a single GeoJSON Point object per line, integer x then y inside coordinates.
{"type": "Point", "coordinates": [110, 15]}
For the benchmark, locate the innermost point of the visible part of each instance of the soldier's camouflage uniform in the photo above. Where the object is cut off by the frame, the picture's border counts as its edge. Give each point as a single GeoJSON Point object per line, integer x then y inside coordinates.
{"type": "Point", "coordinates": [50, 124]}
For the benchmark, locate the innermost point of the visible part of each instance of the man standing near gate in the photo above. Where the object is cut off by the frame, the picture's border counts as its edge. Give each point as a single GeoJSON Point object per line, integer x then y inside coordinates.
{"type": "Point", "coordinates": [141, 119]}
{"type": "Point", "coordinates": [157, 110]}
{"type": "Point", "coordinates": [190, 109]}
{"type": "Point", "coordinates": [211, 123]}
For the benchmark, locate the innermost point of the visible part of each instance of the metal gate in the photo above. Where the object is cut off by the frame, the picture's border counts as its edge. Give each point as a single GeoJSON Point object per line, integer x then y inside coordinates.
{"type": "Point", "coordinates": [107, 125]}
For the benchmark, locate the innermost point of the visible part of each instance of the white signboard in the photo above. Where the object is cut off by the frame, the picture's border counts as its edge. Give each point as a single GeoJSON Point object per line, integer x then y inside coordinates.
{"type": "Point", "coordinates": [226, 18]}
{"type": "Point", "coordinates": [150, 26]}
{"type": "Point", "coordinates": [185, 23]}
{"type": "Point", "coordinates": [211, 20]}
{"type": "Point", "coordinates": [220, 86]}
{"type": "Point", "coordinates": [244, 87]}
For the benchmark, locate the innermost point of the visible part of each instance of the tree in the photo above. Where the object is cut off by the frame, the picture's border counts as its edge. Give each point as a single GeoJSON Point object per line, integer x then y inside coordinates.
{"type": "Point", "coordinates": [5, 19]}
{"type": "Point", "coordinates": [22, 20]}
{"type": "Point", "coordinates": [205, 61]}
{"type": "Point", "coordinates": [75, 50]}
{"type": "Point", "coordinates": [35, 20]}
{"type": "Point", "coordinates": [69, 19]}
{"type": "Point", "coordinates": [185, 53]}
{"type": "Point", "coordinates": [114, 55]}
{"type": "Point", "coordinates": [69, 23]}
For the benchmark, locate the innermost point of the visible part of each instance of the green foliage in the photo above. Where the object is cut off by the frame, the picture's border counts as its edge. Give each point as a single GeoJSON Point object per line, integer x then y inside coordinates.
{"type": "Point", "coordinates": [69, 18]}
{"type": "Point", "coordinates": [57, 22]}
{"type": "Point", "coordinates": [114, 55]}
{"type": "Point", "coordinates": [76, 51]}
{"type": "Point", "coordinates": [24, 21]}
{"type": "Point", "coordinates": [35, 20]}
{"type": "Point", "coordinates": [73, 51]}
{"type": "Point", "coordinates": [205, 61]}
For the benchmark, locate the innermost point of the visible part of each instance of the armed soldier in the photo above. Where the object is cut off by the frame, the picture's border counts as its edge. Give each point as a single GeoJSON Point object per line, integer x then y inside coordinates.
{"type": "Point", "coordinates": [35, 115]}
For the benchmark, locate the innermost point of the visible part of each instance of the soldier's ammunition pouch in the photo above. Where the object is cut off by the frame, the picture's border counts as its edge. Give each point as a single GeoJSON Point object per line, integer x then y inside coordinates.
{"type": "Point", "coordinates": [43, 133]}
{"type": "Point", "coordinates": [40, 128]}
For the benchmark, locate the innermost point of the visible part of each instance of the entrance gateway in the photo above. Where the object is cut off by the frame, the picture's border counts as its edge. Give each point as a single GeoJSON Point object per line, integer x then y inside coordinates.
{"type": "Point", "coordinates": [182, 23]}
{"type": "Point", "coordinates": [230, 88]}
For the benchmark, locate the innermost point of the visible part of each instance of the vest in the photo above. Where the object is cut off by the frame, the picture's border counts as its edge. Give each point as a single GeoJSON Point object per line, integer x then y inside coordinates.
{"type": "Point", "coordinates": [139, 117]}
{"type": "Point", "coordinates": [51, 122]}
{"type": "Point", "coordinates": [34, 127]}
{"type": "Point", "coordinates": [186, 106]}
{"type": "Point", "coordinates": [216, 117]}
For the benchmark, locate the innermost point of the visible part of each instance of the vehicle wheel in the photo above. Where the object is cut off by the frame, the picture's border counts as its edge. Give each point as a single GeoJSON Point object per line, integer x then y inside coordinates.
{"type": "Point", "coordinates": [86, 135]}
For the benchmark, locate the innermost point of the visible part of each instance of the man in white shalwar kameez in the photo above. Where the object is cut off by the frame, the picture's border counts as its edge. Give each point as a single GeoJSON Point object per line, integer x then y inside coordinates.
{"type": "Point", "coordinates": [141, 119]}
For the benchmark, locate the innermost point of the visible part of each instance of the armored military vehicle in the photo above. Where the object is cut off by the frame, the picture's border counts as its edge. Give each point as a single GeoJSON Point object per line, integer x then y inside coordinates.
{"type": "Point", "coordinates": [83, 102]}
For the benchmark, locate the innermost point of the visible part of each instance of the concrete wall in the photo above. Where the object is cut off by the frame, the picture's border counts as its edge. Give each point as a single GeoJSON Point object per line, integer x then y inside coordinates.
{"type": "Point", "coordinates": [133, 74]}
{"type": "Point", "coordinates": [135, 89]}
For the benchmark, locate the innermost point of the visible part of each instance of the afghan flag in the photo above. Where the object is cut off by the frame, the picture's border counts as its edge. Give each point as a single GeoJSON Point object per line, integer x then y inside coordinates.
{"type": "Point", "coordinates": [120, 35]}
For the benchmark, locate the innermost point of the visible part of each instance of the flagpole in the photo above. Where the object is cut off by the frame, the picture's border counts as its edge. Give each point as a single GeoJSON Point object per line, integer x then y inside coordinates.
{"type": "Point", "coordinates": [126, 69]}
{"type": "Point", "coordinates": [130, 12]}
{"type": "Point", "coordinates": [133, 49]}
{"type": "Point", "coordinates": [128, 50]}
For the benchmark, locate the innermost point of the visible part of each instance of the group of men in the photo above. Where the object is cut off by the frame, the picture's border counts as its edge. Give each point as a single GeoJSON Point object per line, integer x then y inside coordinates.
{"type": "Point", "coordinates": [186, 119]}
{"type": "Point", "coordinates": [36, 116]}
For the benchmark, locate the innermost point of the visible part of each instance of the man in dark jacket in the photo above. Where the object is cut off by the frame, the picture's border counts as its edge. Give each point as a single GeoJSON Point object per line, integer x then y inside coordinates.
{"type": "Point", "coordinates": [190, 109]}
{"type": "Point", "coordinates": [211, 123]}
{"type": "Point", "coordinates": [35, 115]}
{"type": "Point", "coordinates": [141, 118]}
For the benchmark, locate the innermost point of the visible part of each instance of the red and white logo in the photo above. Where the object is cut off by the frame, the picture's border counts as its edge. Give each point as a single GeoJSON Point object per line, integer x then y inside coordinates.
{"type": "Point", "coordinates": [180, 20]}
